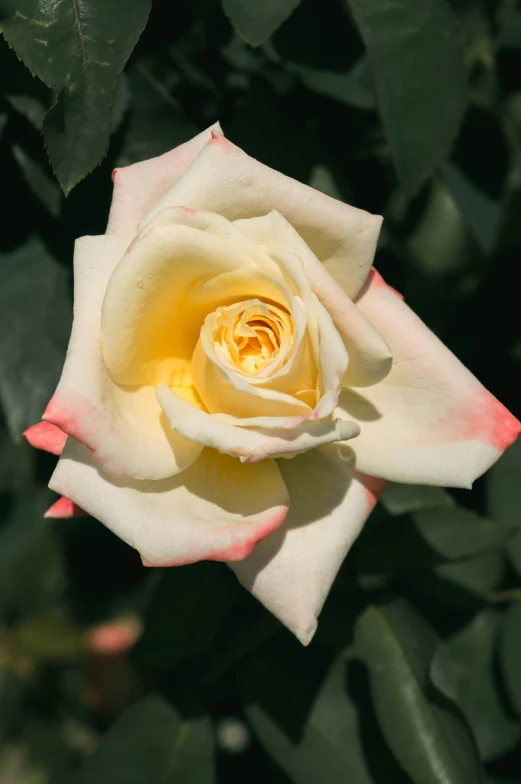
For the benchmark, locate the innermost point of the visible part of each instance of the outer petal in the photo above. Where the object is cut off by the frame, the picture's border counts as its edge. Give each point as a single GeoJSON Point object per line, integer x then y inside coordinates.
{"type": "Point", "coordinates": [224, 179]}
{"type": "Point", "coordinates": [430, 421]}
{"type": "Point", "coordinates": [250, 445]}
{"type": "Point", "coordinates": [217, 509]}
{"type": "Point", "coordinates": [292, 571]}
{"type": "Point", "coordinates": [124, 427]}
{"type": "Point", "coordinates": [370, 357]}
{"type": "Point", "coordinates": [45, 436]}
{"type": "Point", "coordinates": [138, 187]}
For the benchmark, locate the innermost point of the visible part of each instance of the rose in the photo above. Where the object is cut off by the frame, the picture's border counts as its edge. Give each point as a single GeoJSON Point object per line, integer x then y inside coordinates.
{"type": "Point", "coordinates": [230, 318]}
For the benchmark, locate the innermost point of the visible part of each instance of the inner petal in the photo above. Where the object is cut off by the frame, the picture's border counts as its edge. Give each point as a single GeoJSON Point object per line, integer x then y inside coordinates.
{"type": "Point", "coordinates": [252, 337]}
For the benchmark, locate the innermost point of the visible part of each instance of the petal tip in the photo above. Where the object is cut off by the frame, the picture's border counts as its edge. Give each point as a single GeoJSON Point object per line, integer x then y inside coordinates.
{"type": "Point", "coordinates": [63, 509]}
{"type": "Point", "coordinates": [44, 435]}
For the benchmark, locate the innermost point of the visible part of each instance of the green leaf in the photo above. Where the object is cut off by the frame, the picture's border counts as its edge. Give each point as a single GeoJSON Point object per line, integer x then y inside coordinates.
{"type": "Point", "coordinates": [467, 661]}
{"type": "Point", "coordinates": [79, 48]}
{"type": "Point", "coordinates": [428, 537]}
{"type": "Point", "coordinates": [120, 104]}
{"type": "Point", "coordinates": [353, 87]}
{"type": "Point", "coordinates": [456, 532]}
{"type": "Point", "coordinates": [400, 499]}
{"type": "Point", "coordinates": [421, 726]}
{"type": "Point", "coordinates": [28, 95]}
{"type": "Point", "coordinates": [436, 253]}
{"type": "Point", "coordinates": [306, 711]}
{"type": "Point", "coordinates": [504, 488]}
{"type": "Point", "coordinates": [256, 20]}
{"type": "Point", "coordinates": [185, 613]}
{"type": "Point", "coordinates": [465, 583]}
{"type": "Point", "coordinates": [35, 319]}
{"type": "Point", "coordinates": [31, 560]}
{"type": "Point", "coordinates": [417, 62]}
{"type": "Point", "coordinates": [513, 550]}
{"type": "Point", "coordinates": [152, 744]}
{"type": "Point", "coordinates": [481, 212]}
{"type": "Point", "coordinates": [510, 654]}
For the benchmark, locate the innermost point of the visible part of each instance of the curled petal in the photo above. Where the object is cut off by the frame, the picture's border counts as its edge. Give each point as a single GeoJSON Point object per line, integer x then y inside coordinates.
{"type": "Point", "coordinates": [225, 180]}
{"type": "Point", "coordinates": [124, 427]}
{"type": "Point", "coordinates": [292, 571]}
{"type": "Point", "coordinates": [249, 444]}
{"type": "Point", "coordinates": [430, 421]}
{"type": "Point", "coordinates": [217, 509]}
{"type": "Point", "coordinates": [139, 186]}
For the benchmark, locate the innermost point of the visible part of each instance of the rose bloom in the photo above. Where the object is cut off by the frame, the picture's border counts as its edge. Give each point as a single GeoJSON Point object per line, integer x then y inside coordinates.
{"type": "Point", "coordinates": [241, 383]}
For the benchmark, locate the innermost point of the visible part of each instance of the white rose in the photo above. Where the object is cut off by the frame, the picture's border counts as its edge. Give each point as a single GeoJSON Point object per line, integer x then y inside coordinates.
{"type": "Point", "coordinates": [229, 318]}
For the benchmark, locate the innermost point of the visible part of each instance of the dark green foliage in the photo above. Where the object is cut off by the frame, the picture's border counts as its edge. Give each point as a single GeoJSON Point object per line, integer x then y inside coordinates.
{"type": "Point", "coordinates": [78, 48]}
{"type": "Point", "coordinates": [256, 20]}
{"type": "Point", "coordinates": [153, 743]}
{"type": "Point", "coordinates": [408, 109]}
{"type": "Point", "coordinates": [417, 62]}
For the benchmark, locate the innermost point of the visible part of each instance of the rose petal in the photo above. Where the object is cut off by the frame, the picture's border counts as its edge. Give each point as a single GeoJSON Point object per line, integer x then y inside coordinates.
{"type": "Point", "coordinates": [45, 436]}
{"type": "Point", "coordinates": [149, 326]}
{"type": "Point", "coordinates": [138, 187]}
{"type": "Point", "coordinates": [64, 508]}
{"type": "Point", "coordinates": [224, 390]}
{"type": "Point", "coordinates": [217, 509]}
{"type": "Point", "coordinates": [370, 357]}
{"type": "Point", "coordinates": [225, 180]}
{"type": "Point", "coordinates": [250, 445]}
{"type": "Point", "coordinates": [430, 421]}
{"type": "Point", "coordinates": [292, 571]}
{"type": "Point", "coordinates": [124, 427]}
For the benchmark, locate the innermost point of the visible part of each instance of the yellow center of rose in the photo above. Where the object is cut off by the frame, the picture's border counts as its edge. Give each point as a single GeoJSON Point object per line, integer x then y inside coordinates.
{"type": "Point", "coordinates": [252, 337]}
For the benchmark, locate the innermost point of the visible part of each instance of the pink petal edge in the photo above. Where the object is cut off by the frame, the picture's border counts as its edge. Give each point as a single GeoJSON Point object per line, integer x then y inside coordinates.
{"type": "Point", "coordinates": [234, 552]}
{"type": "Point", "coordinates": [46, 436]}
{"type": "Point", "coordinates": [72, 413]}
{"type": "Point", "coordinates": [64, 508]}
{"type": "Point", "coordinates": [373, 488]}
{"type": "Point", "coordinates": [483, 418]}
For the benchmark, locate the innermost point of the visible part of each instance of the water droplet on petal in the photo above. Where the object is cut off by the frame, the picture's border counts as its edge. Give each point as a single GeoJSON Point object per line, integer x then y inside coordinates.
{"type": "Point", "coordinates": [139, 284]}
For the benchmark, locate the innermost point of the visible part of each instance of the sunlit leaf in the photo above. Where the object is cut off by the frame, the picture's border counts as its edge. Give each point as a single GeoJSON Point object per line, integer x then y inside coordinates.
{"type": "Point", "coordinates": [425, 732]}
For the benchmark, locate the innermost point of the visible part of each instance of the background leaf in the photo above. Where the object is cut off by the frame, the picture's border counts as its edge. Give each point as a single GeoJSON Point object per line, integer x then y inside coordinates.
{"type": "Point", "coordinates": [152, 743]}
{"type": "Point", "coordinates": [468, 658]}
{"type": "Point", "coordinates": [78, 49]}
{"type": "Point", "coordinates": [34, 292]}
{"type": "Point", "coordinates": [431, 742]}
{"type": "Point", "coordinates": [510, 653]}
{"type": "Point", "coordinates": [417, 62]}
{"type": "Point", "coordinates": [256, 20]}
